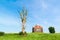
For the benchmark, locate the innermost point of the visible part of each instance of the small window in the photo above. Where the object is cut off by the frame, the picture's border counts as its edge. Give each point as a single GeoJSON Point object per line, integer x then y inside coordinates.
{"type": "Point", "coordinates": [38, 30]}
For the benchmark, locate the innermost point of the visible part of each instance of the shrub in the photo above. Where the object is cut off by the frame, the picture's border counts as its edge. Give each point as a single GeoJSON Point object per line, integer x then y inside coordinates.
{"type": "Point", "coordinates": [51, 29]}
{"type": "Point", "coordinates": [1, 33]}
{"type": "Point", "coordinates": [21, 33]}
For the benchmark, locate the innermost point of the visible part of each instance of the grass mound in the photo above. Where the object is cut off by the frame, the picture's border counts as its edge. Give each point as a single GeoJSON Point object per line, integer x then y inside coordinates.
{"type": "Point", "coordinates": [31, 36]}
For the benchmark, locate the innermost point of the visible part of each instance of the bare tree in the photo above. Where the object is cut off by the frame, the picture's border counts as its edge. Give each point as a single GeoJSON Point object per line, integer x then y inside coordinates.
{"type": "Point", "coordinates": [23, 15]}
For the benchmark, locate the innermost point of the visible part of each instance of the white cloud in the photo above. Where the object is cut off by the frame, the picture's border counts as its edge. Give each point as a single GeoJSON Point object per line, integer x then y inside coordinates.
{"type": "Point", "coordinates": [45, 22]}
{"type": "Point", "coordinates": [56, 10]}
{"type": "Point", "coordinates": [8, 21]}
{"type": "Point", "coordinates": [44, 5]}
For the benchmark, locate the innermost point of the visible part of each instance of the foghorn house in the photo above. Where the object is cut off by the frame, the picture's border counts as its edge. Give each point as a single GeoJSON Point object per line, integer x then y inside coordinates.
{"type": "Point", "coordinates": [37, 28]}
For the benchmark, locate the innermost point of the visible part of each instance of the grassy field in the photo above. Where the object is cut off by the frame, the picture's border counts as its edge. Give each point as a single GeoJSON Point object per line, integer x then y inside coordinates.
{"type": "Point", "coordinates": [31, 36]}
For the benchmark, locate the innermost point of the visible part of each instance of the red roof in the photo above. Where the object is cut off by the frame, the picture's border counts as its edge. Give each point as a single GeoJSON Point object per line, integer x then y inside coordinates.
{"type": "Point", "coordinates": [37, 27]}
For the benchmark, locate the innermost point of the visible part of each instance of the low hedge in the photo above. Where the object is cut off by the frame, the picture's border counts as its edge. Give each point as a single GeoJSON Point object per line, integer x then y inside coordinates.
{"type": "Point", "coordinates": [2, 33]}
{"type": "Point", "coordinates": [21, 33]}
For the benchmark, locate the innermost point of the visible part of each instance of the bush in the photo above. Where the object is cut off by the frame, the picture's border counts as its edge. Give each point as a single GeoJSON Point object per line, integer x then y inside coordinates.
{"type": "Point", "coordinates": [1, 33]}
{"type": "Point", "coordinates": [21, 33]}
{"type": "Point", "coordinates": [51, 29]}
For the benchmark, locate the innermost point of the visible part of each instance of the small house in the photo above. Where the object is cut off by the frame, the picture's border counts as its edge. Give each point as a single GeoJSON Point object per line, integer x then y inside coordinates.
{"type": "Point", "coordinates": [37, 28]}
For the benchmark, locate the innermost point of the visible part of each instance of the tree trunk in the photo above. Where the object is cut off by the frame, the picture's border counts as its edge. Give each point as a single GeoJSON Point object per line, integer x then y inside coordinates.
{"type": "Point", "coordinates": [23, 28]}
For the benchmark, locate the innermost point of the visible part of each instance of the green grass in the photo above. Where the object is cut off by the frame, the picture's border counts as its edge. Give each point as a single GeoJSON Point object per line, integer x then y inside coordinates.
{"type": "Point", "coordinates": [31, 36]}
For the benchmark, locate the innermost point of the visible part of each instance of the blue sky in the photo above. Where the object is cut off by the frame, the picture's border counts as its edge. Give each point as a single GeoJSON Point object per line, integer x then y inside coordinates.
{"type": "Point", "coordinates": [43, 12]}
